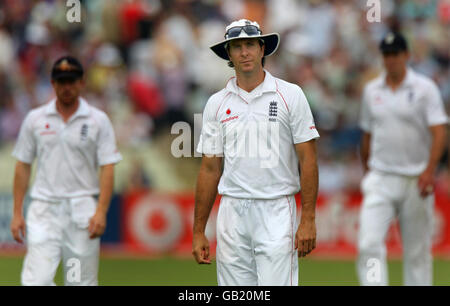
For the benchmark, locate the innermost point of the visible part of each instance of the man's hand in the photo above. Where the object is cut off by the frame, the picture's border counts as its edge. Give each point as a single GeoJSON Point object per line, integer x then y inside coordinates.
{"type": "Point", "coordinates": [426, 183]}
{"type": "Point", "coordinates": [21, 178]}
{"type": "Point", "coordinates": [200, 249]}
{"type": "Point", "coordinates": [426, 179]}
{"type": "Point", "coordinates": [205, 194]}
{"type": "Point", "coordinates": [305, 238]}
{"type": "Point", "coordinates": [97, 225]}
{"type": "Point", "coordinates": [18, 228]}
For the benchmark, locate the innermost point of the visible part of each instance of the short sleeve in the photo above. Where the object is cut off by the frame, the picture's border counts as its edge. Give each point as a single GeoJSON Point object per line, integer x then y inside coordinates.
{"type": "Point", "coordinates": [25, 148]}
{"type": "Point", "coordinates": [435, 110]}
{"type": "Point", "coordinates": [211, 141]}
{"type": "Point", "coordinates": [302, 123]}
{"type": "Point", "coordinates": [365, 121]}
{"type": "Point", "coordinates": [107, 152]}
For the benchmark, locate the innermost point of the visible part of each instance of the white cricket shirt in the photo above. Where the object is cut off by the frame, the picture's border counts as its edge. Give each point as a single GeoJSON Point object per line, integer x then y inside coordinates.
{"type": "Point", "coordinates": [399, 122]}
{"type": "Point", "coordinates": [256, 133]}
{"type": "Point", "coordinates": [68, 154]}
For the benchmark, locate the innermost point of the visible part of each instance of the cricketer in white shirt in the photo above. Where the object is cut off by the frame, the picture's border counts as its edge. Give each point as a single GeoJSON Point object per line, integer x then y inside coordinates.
{"type": "Point", "coordinates": [398, 124]}
{"type": "Point", "coordinates": [262, 130]}
{"type": "Point", "coordinates": [256, 133]}
{"type": "Point", "coordinates": [68, 156]}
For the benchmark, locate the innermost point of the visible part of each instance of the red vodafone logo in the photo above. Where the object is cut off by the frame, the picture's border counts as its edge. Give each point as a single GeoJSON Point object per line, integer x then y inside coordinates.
{"type": "Point", "coordinates": [228, 111]}
{"type": "Point", "coordinates": [378, 100]}
{"type": "Point", "coordinates": [156, 222]}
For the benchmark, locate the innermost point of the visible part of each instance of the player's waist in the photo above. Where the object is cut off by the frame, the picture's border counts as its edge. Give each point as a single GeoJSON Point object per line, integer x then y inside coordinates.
{"type": "Point", "coordinates": [252, 199]}
{"type": "Point", "coordinates": [56, 198]}
{"type": "Point", "coordinates": [411, 170]}
{"type": "Point", "coordinates": [261, 193]}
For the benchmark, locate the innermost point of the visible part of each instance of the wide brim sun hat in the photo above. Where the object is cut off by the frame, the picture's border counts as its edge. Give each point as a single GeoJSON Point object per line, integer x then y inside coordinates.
{"type": "Point", "coordinates": [246, 29]}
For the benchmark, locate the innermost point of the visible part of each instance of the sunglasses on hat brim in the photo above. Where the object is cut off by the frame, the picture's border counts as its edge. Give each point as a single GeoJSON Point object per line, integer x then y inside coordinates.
{"type": "Point", "coordinates": [251, 30]}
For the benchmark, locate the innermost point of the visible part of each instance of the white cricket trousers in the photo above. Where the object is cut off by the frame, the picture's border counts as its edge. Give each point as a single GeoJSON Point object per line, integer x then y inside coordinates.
{"type": "Point", "coordinates": [387, 196]}
{"type": "Point", "coordinates": [255, 242]}
{"type": "Point", "coordinates": [58, 231]}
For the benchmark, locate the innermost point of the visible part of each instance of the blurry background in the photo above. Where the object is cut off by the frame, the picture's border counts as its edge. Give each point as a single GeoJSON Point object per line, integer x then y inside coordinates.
{"type": "Point", "coordinates": [148, 66]}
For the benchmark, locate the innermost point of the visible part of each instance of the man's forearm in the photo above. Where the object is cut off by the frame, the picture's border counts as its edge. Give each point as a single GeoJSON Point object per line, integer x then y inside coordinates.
{"type": "Point", "coordinates": [106, 187]}
{"type": "Point", "coordinates": [364, 150]}
{"type": "Point", "coordinates": [309, 179]}
{"type": "Point", "coordinates": [437, 146]}
{"type": "Point", "coordinates": [20, 186]}
{"type": "Point", "coordinates": [205, 196]}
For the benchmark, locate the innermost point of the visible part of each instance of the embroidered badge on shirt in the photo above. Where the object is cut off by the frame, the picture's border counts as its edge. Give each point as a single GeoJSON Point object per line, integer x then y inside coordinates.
{"type": "Point", "coordinates": [273, 110]}
{"type": "Point", "coordinates": [84, 132]}
{"type": "Point", "coordinates": [410, 96]}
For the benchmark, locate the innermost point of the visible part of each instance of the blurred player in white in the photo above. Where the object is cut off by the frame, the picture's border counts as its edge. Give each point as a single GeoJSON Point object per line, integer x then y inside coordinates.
{"type": "Point", "coordinates": [70, 140]}
{"type": "Point", "coordinates": [404, 126]}
{"type": "Point", "coordinates": [257, 236]}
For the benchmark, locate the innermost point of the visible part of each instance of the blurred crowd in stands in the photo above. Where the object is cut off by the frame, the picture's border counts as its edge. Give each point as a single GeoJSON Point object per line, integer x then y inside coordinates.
{"type": "Point", "coordinates": [148, 64]}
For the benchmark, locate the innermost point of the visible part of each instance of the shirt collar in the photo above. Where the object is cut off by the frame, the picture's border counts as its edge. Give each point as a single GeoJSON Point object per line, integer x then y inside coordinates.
{"type": "Point", "coordinates": [407, 82]}
{"type": "Point", "coordinates": [410, 77]}
{"type": "Point", "coordinates": [82, 111]}
{"type": "Point", "coordinates": [51, 108]}
{"type": "Point", "coordinates": [269, 84]}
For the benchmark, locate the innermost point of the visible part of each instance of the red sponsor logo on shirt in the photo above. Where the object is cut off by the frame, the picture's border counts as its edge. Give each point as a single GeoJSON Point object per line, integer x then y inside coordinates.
{"type": "Point", "coordinates": [378, 100]}
{"type": "Point", "coordinates": [48, 133]}
{"type": "Point", "coordinates": [312, 127]}
{"type": "Point", "coordinates": [229, 119]}
{"type": "Point", "coordinates": [228, 111]}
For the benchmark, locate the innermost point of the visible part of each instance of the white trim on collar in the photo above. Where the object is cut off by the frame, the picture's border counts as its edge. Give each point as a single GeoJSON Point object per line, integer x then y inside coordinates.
{"type": "Point", "coordinates": [83, 109]}
{"type": "Point", "coordinates": [269, 84]}
{"type": "Point", "coordinates": [408, 81]}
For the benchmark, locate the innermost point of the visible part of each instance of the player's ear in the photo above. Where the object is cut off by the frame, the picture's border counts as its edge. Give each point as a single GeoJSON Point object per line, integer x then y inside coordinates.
{"type": "Point", "coordinates": [262, 45]}
{"type": "Point", "coordinates": [227, 49]}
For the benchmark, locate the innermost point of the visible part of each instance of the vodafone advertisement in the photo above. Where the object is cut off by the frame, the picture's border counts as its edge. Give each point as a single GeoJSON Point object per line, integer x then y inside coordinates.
{"type": "Point", "coordinates": [162, 223]}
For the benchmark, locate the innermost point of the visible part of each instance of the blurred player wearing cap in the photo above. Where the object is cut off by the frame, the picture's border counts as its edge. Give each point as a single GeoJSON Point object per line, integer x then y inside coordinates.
{"type": "Point", "coordinates": [70, 140]}
{"type": "Point", "coordinates": [257, 236]}
{"type": "Point", "coordinates": [403, 122]}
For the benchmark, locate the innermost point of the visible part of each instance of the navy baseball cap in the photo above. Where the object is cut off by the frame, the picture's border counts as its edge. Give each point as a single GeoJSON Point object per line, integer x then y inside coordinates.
{"type": "Point", "coordinates": [67, 68]}
{"type": "Point", "coordinates": [393, 42]}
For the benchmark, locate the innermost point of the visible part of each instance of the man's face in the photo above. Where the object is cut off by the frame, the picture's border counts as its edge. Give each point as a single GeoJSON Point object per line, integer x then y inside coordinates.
{"type": "Point", "coordinates": [67, 90]}
{"type": "Point", "coordinates": [395, 63]}
{"type": "Point", "coordinates": [246, 54]}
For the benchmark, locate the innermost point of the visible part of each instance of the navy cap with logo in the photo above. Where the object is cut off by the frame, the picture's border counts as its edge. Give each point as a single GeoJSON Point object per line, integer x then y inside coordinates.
{"type": "Point", "coordinates": [67, 68]}
{"type": "Point", "coordinates": [393, 42]}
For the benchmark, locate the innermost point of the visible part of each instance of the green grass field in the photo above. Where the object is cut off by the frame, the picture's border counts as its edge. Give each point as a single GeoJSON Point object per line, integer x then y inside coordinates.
{"type": "Point", "coordinates": [171, 272]}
